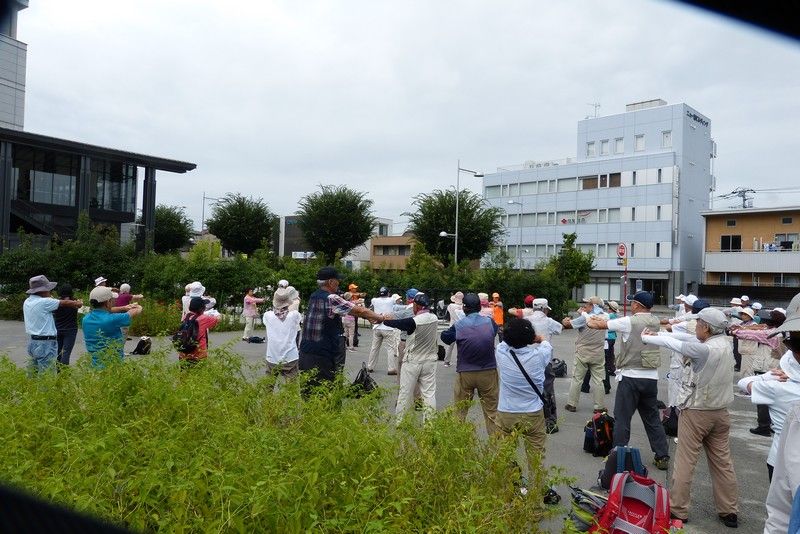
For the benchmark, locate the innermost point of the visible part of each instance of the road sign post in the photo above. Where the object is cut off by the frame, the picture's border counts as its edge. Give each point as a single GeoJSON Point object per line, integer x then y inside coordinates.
{"type": "Point", "coordinates": [622, 259]}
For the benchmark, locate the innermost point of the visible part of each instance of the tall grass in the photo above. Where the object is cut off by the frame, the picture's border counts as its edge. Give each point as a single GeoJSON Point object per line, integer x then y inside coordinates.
{"type": "Point", "coordinates": [152, 447]}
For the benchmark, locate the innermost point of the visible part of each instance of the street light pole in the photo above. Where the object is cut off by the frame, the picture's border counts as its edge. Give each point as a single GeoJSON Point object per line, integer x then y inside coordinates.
{"type": "Point", "coordinates": [203, 215]}
{"type": "Point", "coordinates": [519, 232]}
{"type": "Point", "coordinates": [459, 170]}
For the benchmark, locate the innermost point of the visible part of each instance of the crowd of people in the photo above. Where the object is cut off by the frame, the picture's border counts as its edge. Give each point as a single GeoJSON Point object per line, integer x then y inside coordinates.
{"type": "Point", "coordinates": [504, 355]}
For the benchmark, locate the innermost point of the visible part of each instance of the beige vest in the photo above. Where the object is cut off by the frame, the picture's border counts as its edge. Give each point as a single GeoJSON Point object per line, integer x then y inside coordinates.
{"type": "Point", "coordinates": [589, 346]}
{"type": "Point", "coordinates": [710, 389]}
{"type": "Point", "coordinates": [635, 354]}
{"type": "Point", "coordinates": [422, 345]}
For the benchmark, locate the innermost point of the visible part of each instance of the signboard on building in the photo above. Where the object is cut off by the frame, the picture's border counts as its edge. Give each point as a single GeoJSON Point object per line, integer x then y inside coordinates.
{"type": "Point", "coordinates": [621, 250]}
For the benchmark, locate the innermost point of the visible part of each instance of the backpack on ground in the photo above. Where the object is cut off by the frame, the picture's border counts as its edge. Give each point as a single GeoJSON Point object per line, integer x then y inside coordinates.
{"type": "Point", "coordinates": [585, 506]}
{"type": "Point", "coordinates": [619, 460]}
{"type": "Point", "coordinates": [187, 339]}
{"type": "Point", "coordinates": [635, 504]}
{"type": "Point", "coordinates": [143, 346]}
{"type": "Point", "coordinates": [559, 368]}
{"type": "Point", "coordinates": [599, 434]}
{"type": "Point", "coordinates": [255, 339]}
{"type": "Point", "coordinates": [364, 383]}
{"type": "Point", "coordinates": [669, 420]}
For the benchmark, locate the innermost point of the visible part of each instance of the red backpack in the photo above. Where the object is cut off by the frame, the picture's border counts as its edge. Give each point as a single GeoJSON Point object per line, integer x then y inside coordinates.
{"type": "Point", "coordinates": [636, 504]}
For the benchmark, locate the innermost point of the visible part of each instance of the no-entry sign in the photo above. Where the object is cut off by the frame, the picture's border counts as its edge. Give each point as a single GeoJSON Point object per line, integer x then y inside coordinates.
{"type": "Point", "coordinates": [621, 250]}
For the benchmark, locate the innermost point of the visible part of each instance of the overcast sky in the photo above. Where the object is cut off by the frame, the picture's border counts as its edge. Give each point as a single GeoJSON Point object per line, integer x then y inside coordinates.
{"type": "Point", "coordinates": [271, 99]}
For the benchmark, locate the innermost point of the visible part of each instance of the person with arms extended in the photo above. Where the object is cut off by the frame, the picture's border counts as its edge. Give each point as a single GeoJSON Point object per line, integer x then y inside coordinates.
{"type": "Point", "coordinates": [281, 323]}
{"type": "Point", "coordinates": [704, 422]}
{"type": "Point", "coordinates": [455, 312]}
{"type": "Point", "coordinates": [206, 320]}
{"type": "Point", "coordinates": [476, 368]}
{"type": "Point", "coordinates": [102, 328]}
{"type": "Point", "coordinates": [40, 325]}
{"type": "Point", "coordinates": [589, 354]}
{"type": "Point", "coordinates": [66, 318]}
{"type": "Point", "coordinates": [637, 376]}
{"type": "Point", "coordinates": [250, 312]}
{"type": "Point", "coordinates": [521, 364]}
{"type": "Point", "coordinates": [322, 347]}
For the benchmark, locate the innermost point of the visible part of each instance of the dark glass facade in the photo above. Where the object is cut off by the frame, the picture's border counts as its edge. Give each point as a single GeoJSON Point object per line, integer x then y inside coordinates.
{"type": "Point", "coordinates": [44, 176]}
{"type": "Point", "coordinates": [113, 186]}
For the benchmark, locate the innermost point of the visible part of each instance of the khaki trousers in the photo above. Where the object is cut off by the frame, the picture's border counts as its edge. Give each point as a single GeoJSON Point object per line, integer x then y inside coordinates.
{"type": "Point", "coordinates": [487, 384]}
{"type": "Point", "coordinates": [597, 367]}
{"type": "Point", "coordinates": [532, 428]}
{"type": "Point", "coordinates": [413, 376]}
{"type": "Point", "coordinates": [392, 338]}
{"type": "Point", "coordinates": [709, 430]}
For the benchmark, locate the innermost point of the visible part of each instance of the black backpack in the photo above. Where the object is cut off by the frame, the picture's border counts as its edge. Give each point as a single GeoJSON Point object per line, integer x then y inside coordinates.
{"type": "Point", "coordinates": [255, 339]}
{"type": "Point", "coordinates": [599, 434]}
{"type": "Point", "coordinates": [187, 339]}
{"type": "Point", "coordinates": [559, 368]}
{"type": "Point", "coordinates": [143, 346]}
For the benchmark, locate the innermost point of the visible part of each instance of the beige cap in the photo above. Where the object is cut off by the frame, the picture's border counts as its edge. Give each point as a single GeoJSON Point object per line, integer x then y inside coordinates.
{"type": "Point", "coordinates": [101, 294]}
{"type": "Point", "coordinates": [594, 300]}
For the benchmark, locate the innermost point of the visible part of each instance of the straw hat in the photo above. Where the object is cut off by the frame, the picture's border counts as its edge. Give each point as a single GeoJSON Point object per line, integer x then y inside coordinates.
{"type": "Point", "coordinates": [283, 297]}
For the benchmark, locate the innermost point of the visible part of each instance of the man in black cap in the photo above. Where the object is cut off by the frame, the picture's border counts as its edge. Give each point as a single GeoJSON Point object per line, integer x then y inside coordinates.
{"type": "Point", "coordinates": [637, 373]}
{"type": "Point", "coordinates": [322, 347]}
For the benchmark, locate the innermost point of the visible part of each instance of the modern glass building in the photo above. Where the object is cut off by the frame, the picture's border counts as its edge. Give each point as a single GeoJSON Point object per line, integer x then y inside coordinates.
{"type": "Point", "coordinates": [45, 182]}
{"type": "Point", "coordinates": [640, 178]}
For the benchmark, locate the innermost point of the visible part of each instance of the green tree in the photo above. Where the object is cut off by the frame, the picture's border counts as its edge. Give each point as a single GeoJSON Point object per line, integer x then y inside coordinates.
{"type": "Point", "coordinates": [241, 223]}
{"type": "Point", "coordinates": [173, 229]}
{"type": "Point", "coordinates": [335, 220]}
{"type": "Point", "coordinates": [571, 265]}
{"type": "Point", "coordinates": [479, 225]}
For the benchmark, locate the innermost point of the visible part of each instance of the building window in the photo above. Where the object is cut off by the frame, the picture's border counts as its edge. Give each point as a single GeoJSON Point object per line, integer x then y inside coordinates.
{"type": "Point", "coordinates": [658, 213]}
{"type": "Point", "coordinates": [634, 177]}
{"type": "Point", "coordinates": [786, 220]}
{"type": "Point", "coordinates": [659, 175]}
{"type": "Point", "coordinates": [658, 250]}
{"type": "Point", "coordinates": [619, 146]}
{"type": "Point", "coordinates": [638, 143]}
{"type": "Point", "coordinates": [551, 186]}
{"type": "Point", "coordinates": [666, 139]}
{"type": "Point", "coordinates": [614, 179]}
{"type": "Point", "coordinates": [633, 250]}
{"type": "Point", "coordinates": [730, 222]}
{"type": "Point", "coordinates": [567, 184]}
{"type": "Point", "coordinates": [603, 180]}
{"type": "Point", "coordinates": [633, 214]}
{"type": "Point", "coordinates": [604, 147]}
{"type": "Point", "coordinates": [602, 215]}
{"type": "Point", "coordinates": [492, 191]}
{"type": "Point", "coordinates": [613, 215]}
{"type": "Point", "coordinates": [590, 150]}
{"type": "Point", "coordinates": [551, 218]}
{"type": "Point", "coordinates": [383, 229]}
{"type": "Point", "coordinates": [44, 177]}
{"type": "Point", "coordinates": [588, 182]}
{"type": "Point", "coordinates": [730, 243]}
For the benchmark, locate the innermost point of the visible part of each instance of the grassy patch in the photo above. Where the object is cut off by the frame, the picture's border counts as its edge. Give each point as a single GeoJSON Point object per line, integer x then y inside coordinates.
{"type": "Point", "coordinates": [152, 447]}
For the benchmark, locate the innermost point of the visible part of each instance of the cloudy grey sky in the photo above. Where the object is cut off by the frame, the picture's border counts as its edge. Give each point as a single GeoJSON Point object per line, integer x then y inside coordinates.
{"type": "Point", "coordinates": [273, 98]}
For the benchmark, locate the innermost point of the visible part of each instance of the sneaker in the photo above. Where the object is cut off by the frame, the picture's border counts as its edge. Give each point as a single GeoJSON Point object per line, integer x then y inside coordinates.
{"type": "Point", "coordinates": [761, 431]}
{"type": "Point", "coordinates": [370, 370]}
{"type": "Point", "coordinates": [661, 462]}
{"type": "Point", "coordinates": [393, 372]}
{"type": "Point", "coordinates": [447, 364]}
{"type": "Point", "coordinates": [570, 408]}
{"type": "Point", "coordinates": [551, 428]}
{"type": "Point", "coordinates": [729, 520]}
{"type": "Point", "coordinates": [551, 497]}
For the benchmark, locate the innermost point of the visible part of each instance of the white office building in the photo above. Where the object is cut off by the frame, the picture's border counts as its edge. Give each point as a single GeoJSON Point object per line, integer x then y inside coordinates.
{"type": "Point", "coordinates": [640, 178]}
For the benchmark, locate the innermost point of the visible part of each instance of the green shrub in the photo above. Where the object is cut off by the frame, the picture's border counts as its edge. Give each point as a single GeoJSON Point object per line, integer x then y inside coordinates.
{"type": "Point", "coordinates": [152, 447]}
{"type": "Point", "coordinates": [11, 306]}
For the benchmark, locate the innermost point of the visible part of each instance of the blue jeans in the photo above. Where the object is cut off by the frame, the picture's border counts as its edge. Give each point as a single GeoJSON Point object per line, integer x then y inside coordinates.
{"type": "Point", "coordinates": [43, 353]}
{"type": "Point", "coordinates": [66, 342]}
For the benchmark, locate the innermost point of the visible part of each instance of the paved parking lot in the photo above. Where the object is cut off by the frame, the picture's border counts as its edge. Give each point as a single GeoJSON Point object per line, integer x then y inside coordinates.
{"type": "Point", "coordinates": [565, 447]}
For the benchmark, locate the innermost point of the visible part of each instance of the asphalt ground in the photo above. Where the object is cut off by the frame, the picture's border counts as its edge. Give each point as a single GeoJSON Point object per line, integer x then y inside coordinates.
{"type": "Point", "coordinates": [564, 448]}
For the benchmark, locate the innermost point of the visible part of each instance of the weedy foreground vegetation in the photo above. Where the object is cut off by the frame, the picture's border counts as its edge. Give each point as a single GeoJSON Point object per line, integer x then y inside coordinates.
{"type": "Point", "coordinates": [216, 449]}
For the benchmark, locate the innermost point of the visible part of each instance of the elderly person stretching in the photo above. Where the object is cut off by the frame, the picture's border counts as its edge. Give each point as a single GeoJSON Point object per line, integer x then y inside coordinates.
{"type": "Point", "coordinates": [281, 323]}
{"type": "Point", "coordinates": [704, 423]}
{"type": "Point", "coordinates": [589, 353]}
{"type": "Point", "coordinates": [322, 347]}
{"type": "Point", "coordinates": [40, 325]}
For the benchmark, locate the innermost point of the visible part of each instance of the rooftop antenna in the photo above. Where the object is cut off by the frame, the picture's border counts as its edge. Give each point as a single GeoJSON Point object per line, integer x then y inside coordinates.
{"type": "Point", "coordinates": [596, 106]}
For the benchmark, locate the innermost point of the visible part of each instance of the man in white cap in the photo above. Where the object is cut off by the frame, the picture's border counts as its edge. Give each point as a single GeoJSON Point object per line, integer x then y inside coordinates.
{"type": "Point", "coordinates": [679, 307]}
{"type": "Point", "coordinates": [786, 479]}
{"type": "Point", "coordinates": [40, 325]}
{"type": "Point", "coordinates": [704, 422]}
{"type": "Point", "coordinates": [745, 301]}
{"type": "Point", "coordinates": [102, 327]}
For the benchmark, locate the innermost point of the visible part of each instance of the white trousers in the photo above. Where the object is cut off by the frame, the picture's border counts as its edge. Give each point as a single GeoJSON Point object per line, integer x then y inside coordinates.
{"type": "Point", "coordinates": [411, 375]}
{"type": "Point", "coordinates": [674, 377]}
{"type": "Point", "coordinates": [392, 338]}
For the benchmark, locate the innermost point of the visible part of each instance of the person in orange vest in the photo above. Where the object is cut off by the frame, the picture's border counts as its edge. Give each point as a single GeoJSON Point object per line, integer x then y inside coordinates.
{"type": "Point", "coordinates": [498, 314]}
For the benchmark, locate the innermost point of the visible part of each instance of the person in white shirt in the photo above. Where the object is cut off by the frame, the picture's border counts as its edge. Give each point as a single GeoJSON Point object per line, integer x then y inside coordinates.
{"type": "Point", "coordinates": [384, 305]}
{"type": "Point", "coordinates": [455, 310]}
{"type": "Point", "coordinates": [546, 328]}
{"type": "Point", "coordinates": [40, 325]}
{"type": "Point", "coordinates": [281, 323]}
{"type": "Point", "coordinates": [637, 376]}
